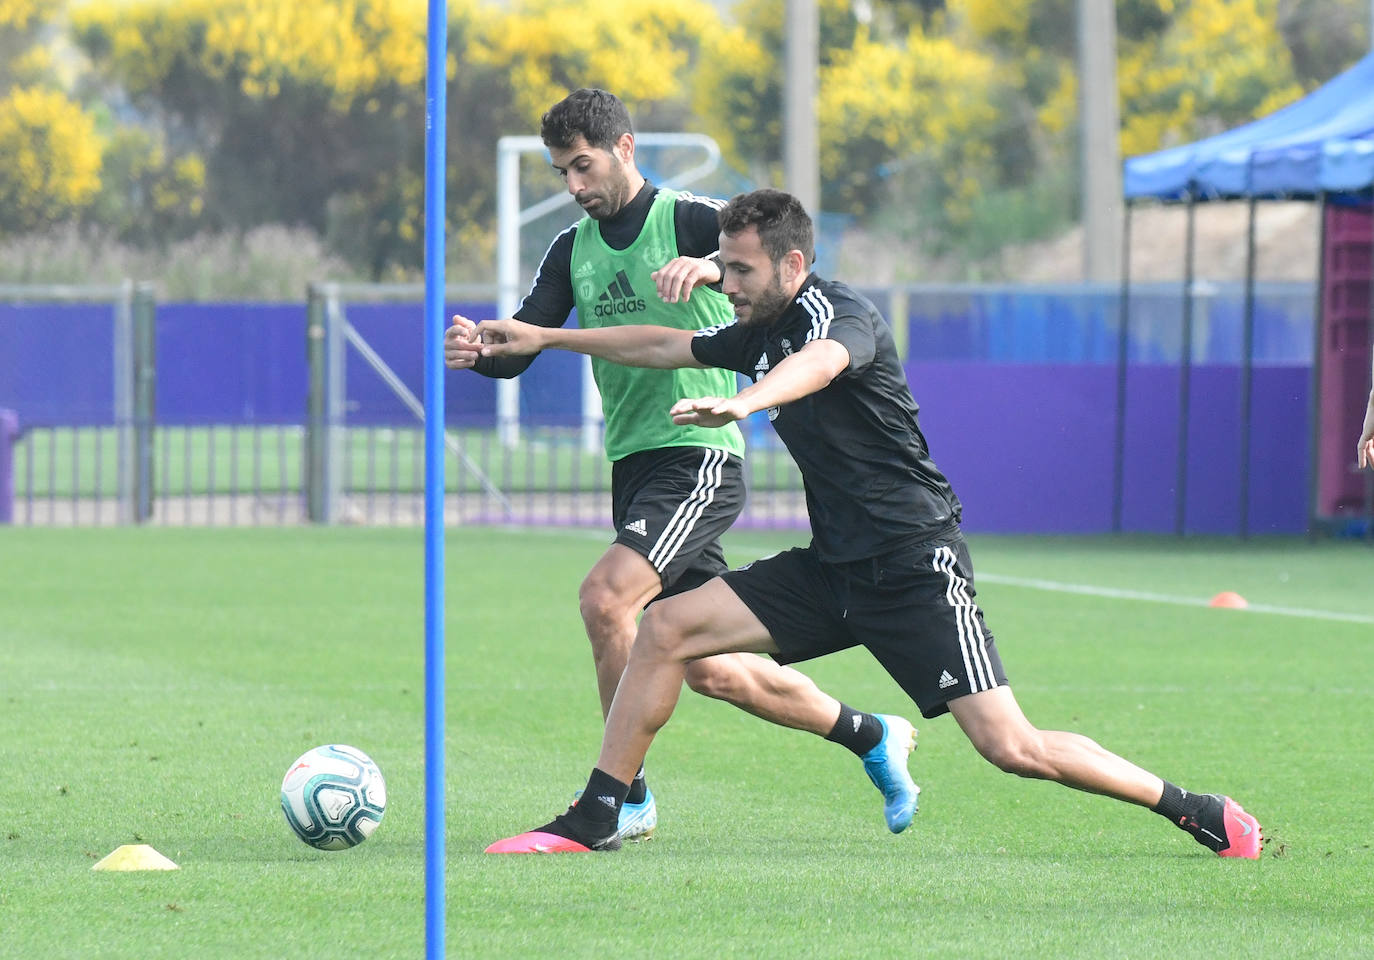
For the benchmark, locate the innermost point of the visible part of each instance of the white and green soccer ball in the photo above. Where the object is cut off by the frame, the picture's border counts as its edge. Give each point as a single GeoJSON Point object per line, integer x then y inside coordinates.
{"type": "Point", "coordinates": [333, 797]}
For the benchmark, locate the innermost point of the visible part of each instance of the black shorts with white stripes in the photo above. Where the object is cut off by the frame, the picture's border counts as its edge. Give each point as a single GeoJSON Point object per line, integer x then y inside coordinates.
{"type": "Point", "coordinates": [912, 608]}
{"type": "Point", "coordinates": [671, 505]}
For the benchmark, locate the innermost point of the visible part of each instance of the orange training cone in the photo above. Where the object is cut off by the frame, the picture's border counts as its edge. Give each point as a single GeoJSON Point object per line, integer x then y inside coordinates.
{"type": "Point", "coordinates": [1229, 599]}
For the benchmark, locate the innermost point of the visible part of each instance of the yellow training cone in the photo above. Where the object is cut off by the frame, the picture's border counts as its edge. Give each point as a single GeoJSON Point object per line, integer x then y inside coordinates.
{"type": "Point", "coordinates": [135, 856]}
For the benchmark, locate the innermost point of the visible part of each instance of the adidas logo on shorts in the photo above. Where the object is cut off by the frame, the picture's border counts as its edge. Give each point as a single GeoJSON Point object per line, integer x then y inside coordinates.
{"type": "Point", "coordinates": [639, 527]}
{"type": "Point", "coordinates": [946, 680]}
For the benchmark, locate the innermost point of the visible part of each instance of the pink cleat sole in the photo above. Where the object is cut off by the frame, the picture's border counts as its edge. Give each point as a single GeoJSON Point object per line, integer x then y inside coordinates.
{"type": "Point", "coordinates": [1244, 837]}
{"type": "Point", "coordinates": [536, 841]}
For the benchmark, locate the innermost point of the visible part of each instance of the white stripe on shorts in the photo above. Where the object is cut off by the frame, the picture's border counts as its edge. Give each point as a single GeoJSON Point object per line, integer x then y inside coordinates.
{"type": "Point", "coordinates": [688, 512]}
{"type": "Point", "coordinates": [977, 664]}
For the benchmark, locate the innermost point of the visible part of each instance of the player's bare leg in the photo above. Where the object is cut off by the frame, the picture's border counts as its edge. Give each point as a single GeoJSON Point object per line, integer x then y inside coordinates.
{"type": "Point", "coordinates": [611, 598]}
{"type": "Point", "coordinates": [999, 730]}
{"type": "Point", "coordinates": [994, 723]}
{"type": "Point", "coordinates": [713, 626]}
{"type": "Point", "coordinates": [674, 634]}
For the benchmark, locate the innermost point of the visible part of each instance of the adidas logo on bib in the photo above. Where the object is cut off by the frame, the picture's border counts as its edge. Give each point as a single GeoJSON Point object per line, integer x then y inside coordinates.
{"type": "Point", "coordinates": [619, 298]}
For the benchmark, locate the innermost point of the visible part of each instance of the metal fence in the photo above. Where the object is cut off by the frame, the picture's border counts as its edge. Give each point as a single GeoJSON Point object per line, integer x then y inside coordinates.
{"type": "Point", "coordinates": [80, 450]}
{"type": "Point", "coordinates": [129, 411]}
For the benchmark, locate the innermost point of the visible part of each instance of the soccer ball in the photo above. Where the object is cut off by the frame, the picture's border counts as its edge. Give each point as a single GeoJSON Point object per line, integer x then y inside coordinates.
{"type": "Point", "coordinates": [333, 797]}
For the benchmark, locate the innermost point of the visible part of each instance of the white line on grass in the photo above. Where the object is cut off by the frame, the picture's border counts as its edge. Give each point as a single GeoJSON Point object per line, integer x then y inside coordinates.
{"type": "Point", "coordinates": [1054, 586]}
{"type": "Point", "coordinates": [1116, 594]}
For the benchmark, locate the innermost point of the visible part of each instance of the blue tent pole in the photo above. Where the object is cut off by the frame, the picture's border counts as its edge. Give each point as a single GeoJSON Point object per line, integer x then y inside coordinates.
{"type": "Point", "coordinates": [436, 116]}
{"type": "Point", "coordinates": [1247, 372]}
{"type": "Point", "coordinates": [1185, 373]}
{"type": "Point", "coordinates": [1123, 334]}
{"type": "Point", "coordinates": [1314, 396]}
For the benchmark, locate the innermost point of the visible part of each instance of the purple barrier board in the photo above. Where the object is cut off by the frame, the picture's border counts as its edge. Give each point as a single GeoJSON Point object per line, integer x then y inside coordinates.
{"type": "Point", "coordinates": [9, 430]}
{"type": "Point", "coordinates": [1030, 448]}
{"type": "Point", "coordinates": [56, 363]}
{"type": "Point", "coordinates": [246, 363]}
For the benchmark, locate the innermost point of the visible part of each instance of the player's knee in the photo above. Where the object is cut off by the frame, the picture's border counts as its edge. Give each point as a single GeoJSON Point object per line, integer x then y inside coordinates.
{"type": "Point", "coordinates": [712, 677]}
{"type": "Point", "coordinates": [1018, 755]}
{"type": "Point", "coordinates": [599, 604]}
{"type": "Point", "coordinates": [661, 632]}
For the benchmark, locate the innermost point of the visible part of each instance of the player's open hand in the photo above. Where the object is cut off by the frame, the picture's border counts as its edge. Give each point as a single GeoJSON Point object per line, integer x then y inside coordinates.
{"type": "Point", "coordinates": [708, 411]}
{"type": "Point", "coordinates": [676, 279]}
{"type": "Point", "coordinates": [509, 338]}
{"type": "Point", "coordinates": [461, 344]}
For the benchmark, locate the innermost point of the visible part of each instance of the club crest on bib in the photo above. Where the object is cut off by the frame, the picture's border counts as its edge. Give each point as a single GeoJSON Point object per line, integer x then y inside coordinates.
{"type": "Point", "coordinates": [655, 255]}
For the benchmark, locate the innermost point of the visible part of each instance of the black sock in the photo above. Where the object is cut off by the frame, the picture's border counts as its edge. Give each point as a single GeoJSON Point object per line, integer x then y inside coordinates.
{"type": "Point", "coordinates": [1176, 804]}
{"type": "Point", "coordinates": [1197, 814]}
{"type": "Point", "coordinates": [594, 817]}
{"type": "Point", "coordinates": [638, 788]}
{"type": "Point", "coordinates": [860, 732]}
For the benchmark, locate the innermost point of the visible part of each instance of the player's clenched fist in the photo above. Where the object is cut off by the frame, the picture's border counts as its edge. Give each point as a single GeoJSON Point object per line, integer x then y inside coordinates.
{"type": "Point", "coordinates": [461, 344]}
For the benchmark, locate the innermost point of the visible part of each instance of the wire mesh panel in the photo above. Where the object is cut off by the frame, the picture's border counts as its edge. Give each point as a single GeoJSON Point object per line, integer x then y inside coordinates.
{"type": "Point", "coordinates": [67, 382]}
{"type": "Point", "coordinates": [228, 475]}
{"type": "Point", "coordinates": [551, 471]}
{"type": "Point", "coordinates": [65, 476]}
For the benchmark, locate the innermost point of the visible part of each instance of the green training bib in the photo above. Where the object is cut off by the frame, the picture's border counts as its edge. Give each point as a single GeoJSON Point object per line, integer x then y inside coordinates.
{"type": "Point", "coordinates": [613, 287]}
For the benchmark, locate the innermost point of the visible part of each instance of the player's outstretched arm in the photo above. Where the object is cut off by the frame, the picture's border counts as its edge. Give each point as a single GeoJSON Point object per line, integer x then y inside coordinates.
{"type": "Point", "coordinates": [634, 345]}
{"type": "Point", "coordinates": [803, 373]}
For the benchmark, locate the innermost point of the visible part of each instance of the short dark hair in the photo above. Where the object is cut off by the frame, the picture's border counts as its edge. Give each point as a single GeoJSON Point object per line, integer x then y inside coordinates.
{"type": "Point", "coordinates": [593, 114]}
{"type": "Point", "coordinates": [780, 219]}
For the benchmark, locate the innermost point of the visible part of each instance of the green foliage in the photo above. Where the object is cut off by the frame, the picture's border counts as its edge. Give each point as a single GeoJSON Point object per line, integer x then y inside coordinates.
{"type": "Point", "coordinates": [1322, 33]}
{"type": "Point", "coordinates": [215, 115]}
{"type": "Point", "coordinates": [20, 23]}
{"type": "Point", "coordinates": [49, 150]}
{"type": "Point", "coordinates": [888, 100]}
{"type": "Point", "coordinates": [49, 158]}
{"type": "Point", "coordinates": [291, 105]}
{"type": "Point", "coordinates": [146, 197]}
{"type": "Point", "coordinates": [1220, 63]}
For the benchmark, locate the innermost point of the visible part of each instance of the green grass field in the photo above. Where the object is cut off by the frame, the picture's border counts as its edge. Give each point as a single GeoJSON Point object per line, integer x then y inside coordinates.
{"type": "Point", "coordinates": [156, 683]}
{"type": "Point", "coordinates": [225, 459]}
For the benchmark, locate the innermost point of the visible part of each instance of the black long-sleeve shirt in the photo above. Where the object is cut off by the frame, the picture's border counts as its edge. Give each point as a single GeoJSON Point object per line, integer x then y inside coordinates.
{"type": "Point", "coordinates": [550, 299]}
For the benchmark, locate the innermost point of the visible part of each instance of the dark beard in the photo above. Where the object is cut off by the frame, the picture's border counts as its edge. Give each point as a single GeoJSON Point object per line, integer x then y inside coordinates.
{"type": "Point", "coordinates": [769, 305]}
{"type": "Point", "coordinates": [616, 196]}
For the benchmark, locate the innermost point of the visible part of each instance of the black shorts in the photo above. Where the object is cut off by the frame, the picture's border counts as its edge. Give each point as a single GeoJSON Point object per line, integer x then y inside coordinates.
{"type": "Point", "coordinates": [912, 608]}
{"type": "Point", "coordinates": [672, 505]}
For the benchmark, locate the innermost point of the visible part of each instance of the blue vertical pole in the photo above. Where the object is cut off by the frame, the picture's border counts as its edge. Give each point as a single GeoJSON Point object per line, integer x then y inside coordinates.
{"type": "Point", "coordinates": [436, 116]}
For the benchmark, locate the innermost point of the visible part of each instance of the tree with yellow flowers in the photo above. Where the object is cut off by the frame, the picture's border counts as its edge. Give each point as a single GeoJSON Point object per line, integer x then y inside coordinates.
{"type": "Point", "coordinates": [293, 106]}
{"type": "Point", "coordinates": [49, 152]}
{"type": "Point", "coordinates": [955, 119]}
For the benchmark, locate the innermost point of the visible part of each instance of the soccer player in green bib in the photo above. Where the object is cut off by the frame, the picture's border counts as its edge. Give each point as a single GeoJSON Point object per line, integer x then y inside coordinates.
{"type": "Point", "coordinates": [646, 255]}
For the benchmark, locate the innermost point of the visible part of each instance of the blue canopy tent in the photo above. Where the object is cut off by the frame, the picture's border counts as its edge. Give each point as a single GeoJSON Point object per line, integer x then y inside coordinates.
{"type": "Point", "coordinates": [1319, 148]}
{"type": "Point", "coordinates": [1321, 145]}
